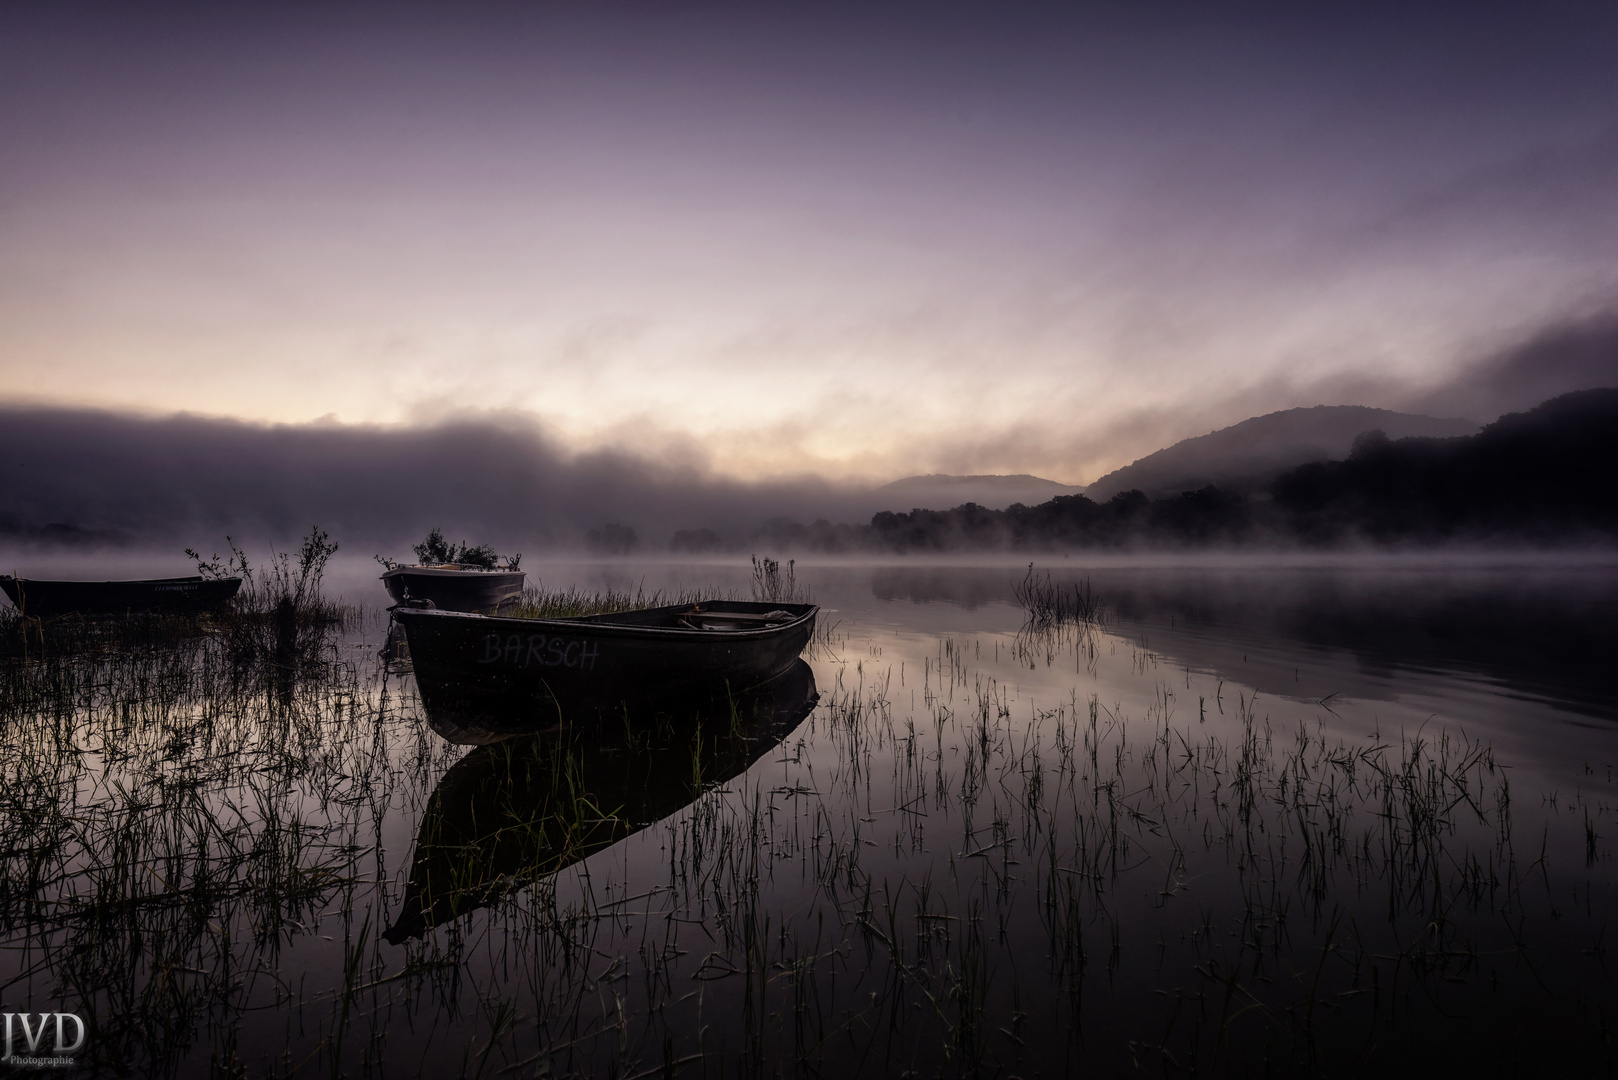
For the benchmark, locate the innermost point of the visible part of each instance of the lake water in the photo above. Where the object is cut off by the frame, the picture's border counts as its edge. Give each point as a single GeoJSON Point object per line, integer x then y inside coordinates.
{"type": "Point", "coordinates": [1286, 817]}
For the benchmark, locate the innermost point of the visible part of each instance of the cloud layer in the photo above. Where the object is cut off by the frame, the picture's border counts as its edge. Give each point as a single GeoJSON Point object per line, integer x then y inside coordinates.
{"type": "Point", "coordinates": [771, 241]}
{"type": "Point", "coordinates": [505, 478]}
{"type": "Point", "coordinates": [1576, 355]}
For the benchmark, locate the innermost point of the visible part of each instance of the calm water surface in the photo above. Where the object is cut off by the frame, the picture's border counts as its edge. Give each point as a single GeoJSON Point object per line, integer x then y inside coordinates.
{"type": "Point", "coordinates": [1262, 819]}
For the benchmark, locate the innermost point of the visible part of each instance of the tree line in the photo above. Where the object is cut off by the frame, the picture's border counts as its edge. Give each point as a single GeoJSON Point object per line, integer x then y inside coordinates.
{"type": "Point", "coordinates": [1548, 476]}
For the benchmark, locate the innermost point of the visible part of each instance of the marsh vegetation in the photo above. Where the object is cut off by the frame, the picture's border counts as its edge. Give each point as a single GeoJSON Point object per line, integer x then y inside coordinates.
{"type": "Point", "coordinates": [990, 853]}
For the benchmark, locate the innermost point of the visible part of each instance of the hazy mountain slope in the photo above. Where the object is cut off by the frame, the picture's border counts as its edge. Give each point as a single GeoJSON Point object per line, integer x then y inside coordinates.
{"type": "Point", "coordinates": [1248, 456]}
{"type": "Point", "coordinates": [1548, 475]}
{"type": "Point", "coordinates": [1547, 478]}
{"type": "Point", "coordinates": [940, 491]}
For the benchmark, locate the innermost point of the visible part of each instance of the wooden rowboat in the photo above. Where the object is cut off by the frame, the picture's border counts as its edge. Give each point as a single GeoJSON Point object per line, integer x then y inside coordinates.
{"type": "Point", "coordinates": [474, 671]}
{"type": "Point", "coordinates": [454, 587]}
{"type": "Point", "coordinates": [47, 599]}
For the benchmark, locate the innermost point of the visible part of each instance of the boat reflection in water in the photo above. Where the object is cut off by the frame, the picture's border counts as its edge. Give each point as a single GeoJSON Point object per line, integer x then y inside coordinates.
{"type": "Point", "coordinates": [518, 809]}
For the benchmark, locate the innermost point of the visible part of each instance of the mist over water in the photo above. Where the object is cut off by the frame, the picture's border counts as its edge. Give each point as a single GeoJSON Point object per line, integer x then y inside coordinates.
{"type": "Point", "coordinates": [1527, 625]}
{"type": "Point", "coordinates": [1539, 629]}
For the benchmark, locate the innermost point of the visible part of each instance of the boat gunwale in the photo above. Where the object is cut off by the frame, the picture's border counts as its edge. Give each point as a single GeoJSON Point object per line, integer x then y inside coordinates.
{"type": "Point", "coordinates": [574, 623]}
{"type": "Point", "coordinates": [116, 581]}
{"type": "Point", "coordinates": [444, 571]}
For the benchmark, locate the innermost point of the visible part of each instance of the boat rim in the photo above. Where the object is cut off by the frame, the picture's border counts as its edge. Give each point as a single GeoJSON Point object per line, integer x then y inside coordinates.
{"type": "Point", "coordinates": [448, 570]}
{"type": "Point", "coordinates": [114, 581]}
{"type": "Point", "coordinates": [573, 623]}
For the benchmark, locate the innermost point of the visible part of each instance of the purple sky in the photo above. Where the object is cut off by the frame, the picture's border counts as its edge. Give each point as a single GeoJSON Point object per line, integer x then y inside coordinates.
{"type": "Point", "coordinates": [771, 240]}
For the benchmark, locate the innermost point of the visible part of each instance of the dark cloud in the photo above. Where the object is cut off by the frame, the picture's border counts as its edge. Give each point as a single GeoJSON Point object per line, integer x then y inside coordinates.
{"type": "Point", "coordinates": [499, 479]}
{"type": "Point", "coordinates": [1556, 195]}
{"type": "Point", "coordinates": [1576, 355]}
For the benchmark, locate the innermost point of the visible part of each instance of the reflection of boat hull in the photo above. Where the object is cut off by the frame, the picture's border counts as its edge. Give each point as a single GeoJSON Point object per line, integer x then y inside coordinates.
{"type": "Point", "coordinates": [520, 674]}
{"type": "Point", "coordinates": [45, 599]}
{"type": "Point", "coordinates": [454, 589]}
{"type": "Point", "coordinates": [506, 815]}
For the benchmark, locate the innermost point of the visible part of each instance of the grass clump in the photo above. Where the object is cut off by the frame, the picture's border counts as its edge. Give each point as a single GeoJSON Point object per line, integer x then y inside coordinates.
{"type": "Point", "coordinates": [772, 586]}
{"type": "Point", "coordinates": [281, 613]}
{"type": "Point", "coordinates": [1051, 606]}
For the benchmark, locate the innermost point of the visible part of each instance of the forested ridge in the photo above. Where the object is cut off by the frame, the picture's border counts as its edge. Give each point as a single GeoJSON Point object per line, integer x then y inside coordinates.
{"type": "Point", "coordinates": [1545, 476]}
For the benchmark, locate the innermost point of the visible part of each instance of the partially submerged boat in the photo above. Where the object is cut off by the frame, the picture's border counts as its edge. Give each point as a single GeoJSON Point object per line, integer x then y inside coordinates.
{"type": "Point", "coordinates": [491, 674]}
{"type": "Point", "coordinates": [38, 598]}
{"type": "Point", "coordinates": [455, 586]}
{"type": "Point", "coordinates": [509, 814]}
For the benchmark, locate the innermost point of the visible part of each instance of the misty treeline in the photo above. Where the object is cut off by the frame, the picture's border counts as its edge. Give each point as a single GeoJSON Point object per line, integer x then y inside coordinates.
{"type": "Point", "coordinates": [1548, 476]}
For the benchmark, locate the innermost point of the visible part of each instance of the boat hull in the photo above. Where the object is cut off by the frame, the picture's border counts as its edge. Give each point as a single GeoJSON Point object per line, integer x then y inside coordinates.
{"type": "Point", "coordinates": [522, 674]}
{"type": "Point", "coordinates": [455, 590]}
{"type": "Point", "coordinates": [50, 599]}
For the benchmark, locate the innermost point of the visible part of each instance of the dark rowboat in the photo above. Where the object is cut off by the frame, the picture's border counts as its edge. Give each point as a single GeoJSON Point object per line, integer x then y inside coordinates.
{"type": "Point", "coordinates": [455, 587]}
{"type": "Point", "coordinates": [47, 599]}
{"type": "Point", "coordinates": [509, 814]}
{"type": "Point", "coordinates": [477, 670]}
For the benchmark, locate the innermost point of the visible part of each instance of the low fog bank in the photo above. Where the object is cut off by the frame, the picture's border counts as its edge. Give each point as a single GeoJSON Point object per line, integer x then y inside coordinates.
{"type": "Point", "coordinates": [1544, 478]}
{"type": "Point", "coordinates": [89, 478]}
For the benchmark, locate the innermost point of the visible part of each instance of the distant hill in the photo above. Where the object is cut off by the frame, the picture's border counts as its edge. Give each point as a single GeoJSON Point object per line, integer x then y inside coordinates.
{"type": "Point", "coordinates": [1548, 475]}
{"type": "Point", "coordinates": [940, 491]}
{"type": "Point", "coordinates": [1249, 456]}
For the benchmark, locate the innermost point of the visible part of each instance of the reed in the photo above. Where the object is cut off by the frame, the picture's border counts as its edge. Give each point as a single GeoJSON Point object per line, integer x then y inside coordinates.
{"type": "Point", "coordinates": [23, 639]}
{"type": "Point", "coordinates": [772, 585]}
{"type": "Point", "coordinates": [281, 615]}
{"type": "Point", "coordinates": [1051, 606]}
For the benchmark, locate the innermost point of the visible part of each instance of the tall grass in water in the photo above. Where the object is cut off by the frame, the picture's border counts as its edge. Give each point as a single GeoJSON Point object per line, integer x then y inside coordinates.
{"type": "Point", "coordinates": [280, 615]}
{"type": "Point", "coordinates": [77, 635]}
{"type": "Point", "coordinates": [772, 586]}
{"type": "Point", "coordinates": [1051, 606]}
{"type": "Point", "coordinates": [179, 827]}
